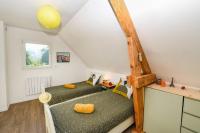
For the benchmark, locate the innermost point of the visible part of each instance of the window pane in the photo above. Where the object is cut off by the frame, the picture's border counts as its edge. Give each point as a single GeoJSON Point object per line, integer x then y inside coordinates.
{"type": "Point", "coordinates": [37, 55]}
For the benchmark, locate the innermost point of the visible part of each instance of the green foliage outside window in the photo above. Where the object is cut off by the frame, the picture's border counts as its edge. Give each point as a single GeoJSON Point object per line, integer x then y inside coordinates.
{"type": "Point", "coordinates": [37, 55]}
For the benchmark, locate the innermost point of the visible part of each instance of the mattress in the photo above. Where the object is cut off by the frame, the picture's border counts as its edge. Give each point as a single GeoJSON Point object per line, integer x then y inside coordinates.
{"type": "Point", "coordinates": [111, 109]}
{"type": "Point", "coordinates": [61, 94]}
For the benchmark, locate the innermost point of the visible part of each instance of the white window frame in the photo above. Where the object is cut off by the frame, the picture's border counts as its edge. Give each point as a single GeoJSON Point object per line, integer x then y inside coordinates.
{"type": "Point", "coordinates": [24, 55]}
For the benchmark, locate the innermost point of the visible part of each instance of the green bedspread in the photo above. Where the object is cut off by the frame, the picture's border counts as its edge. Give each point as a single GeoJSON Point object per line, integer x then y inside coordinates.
{"type": "Point", "coordinates": [61, 94]}
{"type": "Point", "coordinates": [110, 110]}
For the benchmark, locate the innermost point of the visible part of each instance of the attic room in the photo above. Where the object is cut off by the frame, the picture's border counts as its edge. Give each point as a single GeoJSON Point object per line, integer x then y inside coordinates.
{"type": "Point", "coordinates": [97, 66]}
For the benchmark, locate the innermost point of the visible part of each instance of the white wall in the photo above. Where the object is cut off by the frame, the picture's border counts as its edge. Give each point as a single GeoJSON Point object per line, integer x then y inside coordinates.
{"type": "Point", "coordinates": [169, 32]}
{"type": "Point", "coordinates": [3, 86]}
{"type": "Point", "coordinates": [107, 75]}
{"type": "Point", "coordinates": [61, 73]}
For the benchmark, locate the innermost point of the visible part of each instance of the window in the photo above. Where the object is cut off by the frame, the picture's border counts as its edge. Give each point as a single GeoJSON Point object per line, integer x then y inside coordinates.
{"type": "Point", "coordinates": [37, 55]}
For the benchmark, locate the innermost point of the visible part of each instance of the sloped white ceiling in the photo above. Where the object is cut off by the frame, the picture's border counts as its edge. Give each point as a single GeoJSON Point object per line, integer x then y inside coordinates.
{"type": "Point", "coordinates": [95, 35]}
{"type": "Point", "coordinates": [22, 13]}
{"type": "Point", "coordinates": [168, 30]}
{"type": "Point", "coordinates": [170, 34]}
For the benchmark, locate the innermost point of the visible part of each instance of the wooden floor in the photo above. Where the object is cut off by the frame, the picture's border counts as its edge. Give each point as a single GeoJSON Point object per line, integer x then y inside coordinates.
{"type": "Point", "coordinates": [26, 117]}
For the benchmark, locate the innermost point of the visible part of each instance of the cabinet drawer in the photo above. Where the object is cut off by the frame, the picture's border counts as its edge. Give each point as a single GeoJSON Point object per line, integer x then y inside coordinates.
{"type": "Point", "coordinates": [191, 122]}
{"type": "Point", "coordinates": [184, 130]}
{"type": "Point", "coordinates": [192, 106]}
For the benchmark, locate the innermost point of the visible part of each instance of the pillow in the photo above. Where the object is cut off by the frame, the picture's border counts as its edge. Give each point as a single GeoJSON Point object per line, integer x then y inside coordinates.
{"type": "Point", "coordinates": [123, 90]}
{"type": "Point", "coordinates": [99, 80]}
{"type": "Point", "coordinates": [94, 79]}
{"type": "Point", "coordinates": [90, 81]}
{"type": "Point", "coordinates": [84, 108]}
{"type": "Point", "coordinates": [69, 86]}
{"type": "Point", "coordinates": [130, 91]}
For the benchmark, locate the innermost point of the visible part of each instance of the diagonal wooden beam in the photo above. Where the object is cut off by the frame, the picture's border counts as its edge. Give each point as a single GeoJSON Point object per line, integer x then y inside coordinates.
{"type": "Point", "coordinates": [124, 19]}
{"type": "Point", "coordinates": [133, 57]}
{"type": "Point", "coordinates": [138, 61]}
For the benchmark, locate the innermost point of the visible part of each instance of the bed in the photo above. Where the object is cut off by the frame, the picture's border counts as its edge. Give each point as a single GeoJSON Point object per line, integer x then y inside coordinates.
{"type": "Point", "coordinates": [113, 113]}
{"type": "Point", "coordinates": [61, 94]}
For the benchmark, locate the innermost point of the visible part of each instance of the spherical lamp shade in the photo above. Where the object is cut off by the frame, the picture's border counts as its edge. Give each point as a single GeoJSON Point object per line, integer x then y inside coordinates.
{"type": "Point", "coordinates": [49, 17]}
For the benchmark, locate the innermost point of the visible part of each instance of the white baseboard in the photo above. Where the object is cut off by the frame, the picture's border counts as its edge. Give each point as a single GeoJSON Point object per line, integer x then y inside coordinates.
{"type": "Point", "coordinates": [26, 98]}
{"type": "Point", "coordinates": [4, 108]}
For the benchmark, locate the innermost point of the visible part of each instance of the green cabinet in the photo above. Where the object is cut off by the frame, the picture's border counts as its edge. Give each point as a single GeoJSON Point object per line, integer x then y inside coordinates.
{"type": "Point", "coordinates": [184, 130]}
{"type": "Point", "coordinates": [192, 106]}
{"type": "Point", "coordinates": [191, 115]}
{"type": "Point", "coordinates": [162, 112]}
{"type": "Point", "coordinates": [191, 122]}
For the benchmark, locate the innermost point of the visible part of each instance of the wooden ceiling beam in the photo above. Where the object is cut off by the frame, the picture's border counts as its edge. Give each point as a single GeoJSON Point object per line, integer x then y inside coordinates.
{"type": "Point", "coordinates": [122, 16]}
{"type": "Point", "coordinates": [124, 19]}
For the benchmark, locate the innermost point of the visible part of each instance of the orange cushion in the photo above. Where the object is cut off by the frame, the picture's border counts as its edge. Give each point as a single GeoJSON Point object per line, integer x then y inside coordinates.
{"type": "Point", "coordinates": [69, 86]}
{"type": "Point", "coordinates": [84, 108]}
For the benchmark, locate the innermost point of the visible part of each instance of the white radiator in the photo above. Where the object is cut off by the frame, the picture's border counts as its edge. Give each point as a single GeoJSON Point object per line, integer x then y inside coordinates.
{"type": "Point", "coordinates": [35, 85]}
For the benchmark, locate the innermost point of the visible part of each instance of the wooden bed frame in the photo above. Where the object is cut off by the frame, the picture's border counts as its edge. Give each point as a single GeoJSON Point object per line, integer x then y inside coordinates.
{"type": "Point", "coordinates": [141, 75]}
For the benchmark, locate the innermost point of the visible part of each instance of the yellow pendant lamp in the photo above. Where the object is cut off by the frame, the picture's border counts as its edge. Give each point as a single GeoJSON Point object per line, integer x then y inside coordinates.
{"type": "Point", "coordinates": [49, 17]}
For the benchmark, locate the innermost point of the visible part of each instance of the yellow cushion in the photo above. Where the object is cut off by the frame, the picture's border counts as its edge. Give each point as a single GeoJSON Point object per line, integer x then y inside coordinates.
{"type": "Point", "coordinates": [84, 108]}
{"type": "Point", "coordinates": [69, 86]}
{"type": "Point", "coordinates": [90, 81]}
{"type": "Point", "coordinates": [119, 89]}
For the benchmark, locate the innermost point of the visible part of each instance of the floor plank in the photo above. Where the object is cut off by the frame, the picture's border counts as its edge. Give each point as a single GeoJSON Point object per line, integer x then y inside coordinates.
{"type": "Point", "coordinates": [26, 117]}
